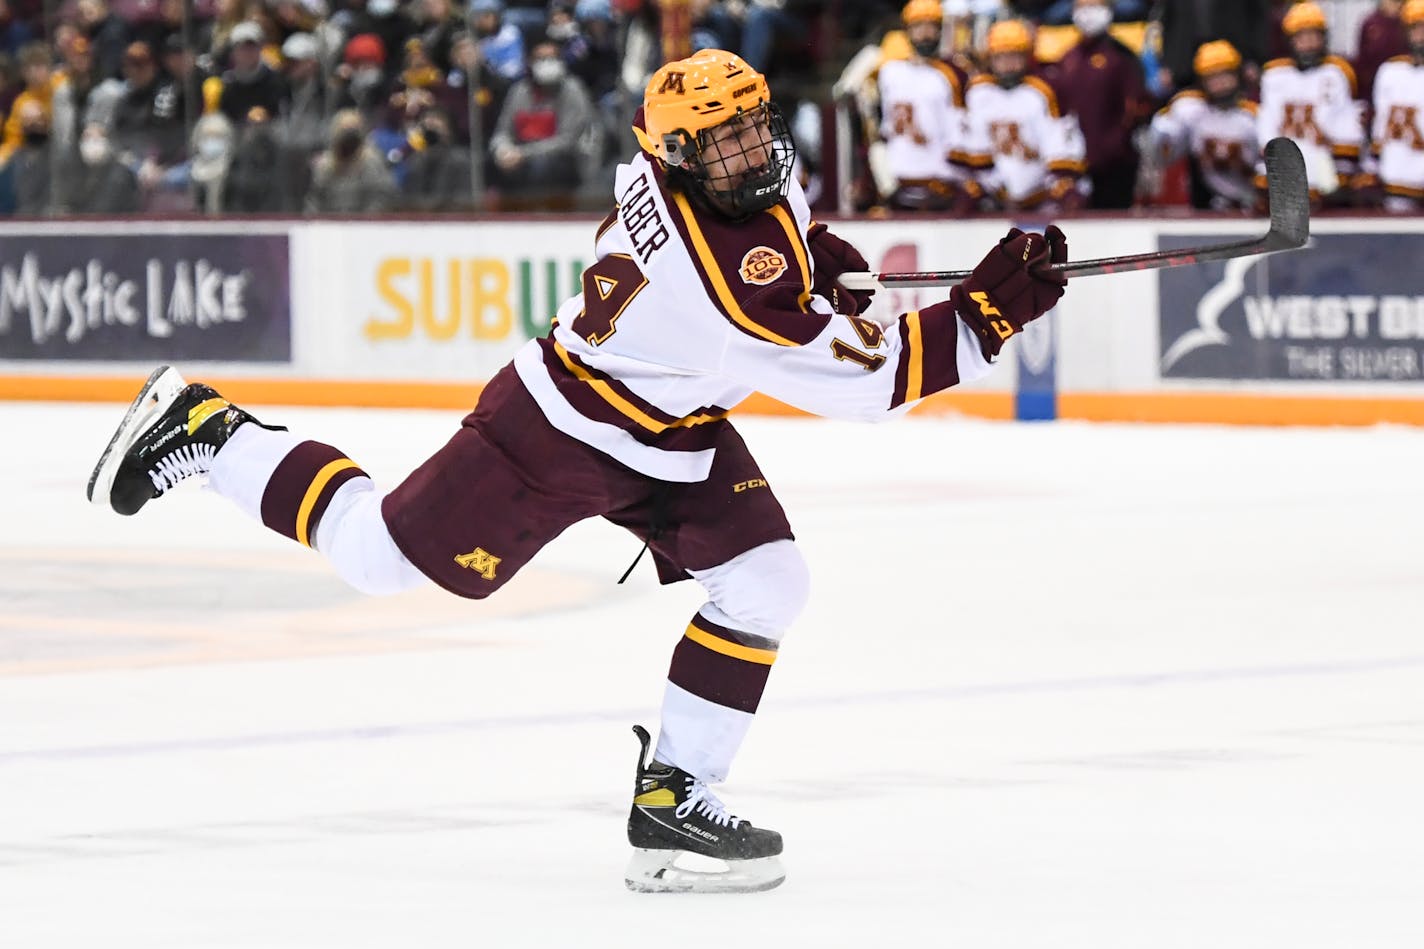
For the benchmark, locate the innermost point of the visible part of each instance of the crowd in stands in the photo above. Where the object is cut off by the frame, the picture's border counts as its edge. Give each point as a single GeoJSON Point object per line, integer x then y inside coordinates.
{"type": "Point", "coordinates": [369, 106]}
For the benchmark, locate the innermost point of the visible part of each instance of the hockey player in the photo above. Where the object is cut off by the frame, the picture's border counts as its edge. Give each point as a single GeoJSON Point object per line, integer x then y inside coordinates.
{"type": "Point", "coordinates": [1024, 153]}
{"type": "Point", "coordinates": [1397, 137]}
{"type": "Point", "coordinates": [1216, 125]}
{"type": "Point", "coordinates": [711, 282]}
{"type": "Point", "coordinates": [1310, 98]}
{"type": "Point", "coordinates": [921, 121]}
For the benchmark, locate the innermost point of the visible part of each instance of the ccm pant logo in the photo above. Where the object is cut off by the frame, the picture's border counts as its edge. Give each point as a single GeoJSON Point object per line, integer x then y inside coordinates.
{"type": "Point", "coordinates": [1002, 327]}
{"type": "Point", "coordinates": [741, 486]}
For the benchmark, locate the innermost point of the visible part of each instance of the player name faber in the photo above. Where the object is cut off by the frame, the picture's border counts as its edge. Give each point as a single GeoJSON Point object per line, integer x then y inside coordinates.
{"type": "Point", "coordinates": [639, 212]}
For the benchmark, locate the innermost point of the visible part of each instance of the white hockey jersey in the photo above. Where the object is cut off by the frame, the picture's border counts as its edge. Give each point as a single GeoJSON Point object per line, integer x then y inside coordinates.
{"type": "Point", "coordinates": [685, 313]}
{"type": "Point", "coordinates": [1221, 138]}
{"type": "Point", "coordinates": [921, 118]}
{"type": "Point", "coordinates": [1397, 135]}
{"type": "Point", "coordinates": [1317, 109]}
{"type": "Point", "coordinates": [1016, 138]}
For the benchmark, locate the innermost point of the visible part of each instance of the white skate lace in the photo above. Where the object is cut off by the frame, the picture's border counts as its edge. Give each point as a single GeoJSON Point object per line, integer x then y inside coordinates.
{"type": "Point", "coordinates": [182, 463]}
{"type": "Point", "coordinates": [701, 799]}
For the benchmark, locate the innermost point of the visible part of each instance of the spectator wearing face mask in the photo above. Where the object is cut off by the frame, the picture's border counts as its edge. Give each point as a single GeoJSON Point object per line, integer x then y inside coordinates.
{"type": "Point", "coordinates": [250, 83]}
{"type": "Point", "coordinates": [501, 43]}
{"type": "Point", "coordinates": [535, 144]}
{"type": "Point", "coordinates": [350, 177]}
{"type": "Point", "coordinates": [437, 174]}
{"type": "Point", "coordinates": [361, 77]}
{"type": "Point", "coordinates": [1101, 81]}
{"type": "Point", "coordinates": [385, 20]}
{"type": "Point", "coordinates": [30, 165]}
{"type": "Point", "coordinates": [40, 81]}
{"type": "Point", "coordinates": [99, 183]}
{"type": "Point", "coordinates": [210, 151]}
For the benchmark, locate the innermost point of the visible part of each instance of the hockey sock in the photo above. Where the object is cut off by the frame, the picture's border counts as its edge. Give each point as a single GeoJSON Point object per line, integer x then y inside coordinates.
{"type": "Point", "coordinates": [285, 481]}
{"type": "Point", "coordinates": [714, 686]}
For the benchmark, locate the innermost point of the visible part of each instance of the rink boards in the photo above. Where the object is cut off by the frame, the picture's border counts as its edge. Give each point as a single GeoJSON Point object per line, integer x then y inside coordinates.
{"type": "Point", "coordinates": [417, 313]}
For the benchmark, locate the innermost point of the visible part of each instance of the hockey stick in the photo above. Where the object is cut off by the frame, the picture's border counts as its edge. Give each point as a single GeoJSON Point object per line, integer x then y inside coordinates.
{"type": "Point", "coordinates": [1289, 204]}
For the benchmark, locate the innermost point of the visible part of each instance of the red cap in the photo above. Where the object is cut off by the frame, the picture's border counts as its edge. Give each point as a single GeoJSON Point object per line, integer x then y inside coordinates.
{"type": "Point", "coordinates": [366, 48]}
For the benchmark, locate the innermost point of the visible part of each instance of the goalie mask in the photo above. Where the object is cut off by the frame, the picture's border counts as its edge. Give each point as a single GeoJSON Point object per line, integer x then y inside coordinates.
{"type": "Point", "coordinates": [711, 120]}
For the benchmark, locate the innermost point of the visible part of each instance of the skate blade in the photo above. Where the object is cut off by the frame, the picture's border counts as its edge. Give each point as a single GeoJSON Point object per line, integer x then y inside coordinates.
{"type": "Point", "coordinates": [677, 871]}
{"type": "Point", "coordinates": [158, 393]}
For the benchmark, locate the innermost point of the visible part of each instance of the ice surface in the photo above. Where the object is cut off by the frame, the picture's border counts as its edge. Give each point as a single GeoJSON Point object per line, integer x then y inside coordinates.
{"type": "Point", "coordinates": [1059, 685]}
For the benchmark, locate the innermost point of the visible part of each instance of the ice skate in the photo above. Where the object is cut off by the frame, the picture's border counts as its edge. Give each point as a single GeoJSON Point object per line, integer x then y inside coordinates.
{"type": "Point", "coordinates": [171, 432]}
{"type": "Point", "coordinates": [685, 841]}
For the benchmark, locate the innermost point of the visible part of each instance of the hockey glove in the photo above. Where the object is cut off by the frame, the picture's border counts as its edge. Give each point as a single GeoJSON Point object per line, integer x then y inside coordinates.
{"type": "Point", "coordinates": [834, 257]}
{"type": "Point", "coordinates": [1012, 286]}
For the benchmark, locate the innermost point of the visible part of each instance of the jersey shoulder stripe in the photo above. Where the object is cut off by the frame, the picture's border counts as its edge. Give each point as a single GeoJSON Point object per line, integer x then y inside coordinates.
{"type": "Point", "coordinates": [756, 272]}
{"type": "Point", "coordinates": [1344, 66]}
{"type": "Point", "coordinates": [1278, 64]}
{"type": "Point", "coordinates": [1033, 82]}
{"type": "Point", "coordinates": [956, 88]}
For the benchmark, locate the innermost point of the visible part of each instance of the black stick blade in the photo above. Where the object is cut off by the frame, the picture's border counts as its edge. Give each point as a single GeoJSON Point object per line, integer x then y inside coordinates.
{"type": "Point", "coordinates": [1288, 193]}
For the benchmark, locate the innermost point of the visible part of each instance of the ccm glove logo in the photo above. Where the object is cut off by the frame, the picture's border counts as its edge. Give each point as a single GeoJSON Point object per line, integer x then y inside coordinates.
{"type": "Point", "coordinates": [1003, 327]}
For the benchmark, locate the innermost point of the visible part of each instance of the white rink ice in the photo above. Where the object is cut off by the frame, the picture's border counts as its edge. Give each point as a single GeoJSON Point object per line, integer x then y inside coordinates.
{"type": "Point", "coordinates": [1059, 685]}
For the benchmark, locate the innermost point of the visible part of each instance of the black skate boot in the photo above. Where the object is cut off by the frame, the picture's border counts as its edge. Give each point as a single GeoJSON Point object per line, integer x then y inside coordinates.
{"type": "Point", "coordinates": [676, 819]}
{"type": "Point", "coordinates": [172, 431]}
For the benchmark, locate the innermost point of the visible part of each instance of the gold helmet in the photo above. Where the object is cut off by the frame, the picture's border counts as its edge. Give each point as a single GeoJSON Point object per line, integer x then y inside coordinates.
{"type": "Point", "coordinates": [1412, 12]}
{"type": "Point", "coordinates": [1218, 56]}
{"type": "Point", "coordinates": [1009, 36]}
{"type": "Point", "coordinates": [922, 11]}
{"type": "Point", "coordinates": [1303, 16]}
{"type": "Point", "coordinates": [684, 106]}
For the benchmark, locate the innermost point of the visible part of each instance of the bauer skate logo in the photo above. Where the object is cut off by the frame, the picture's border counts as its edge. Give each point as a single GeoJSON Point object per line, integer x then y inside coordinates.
{"type": "Point", "coordinates": [479, 560]}
{"type": "Point", "coordinates": [694, 829]}
{"type": "Point", "coordinates": [762, 265]}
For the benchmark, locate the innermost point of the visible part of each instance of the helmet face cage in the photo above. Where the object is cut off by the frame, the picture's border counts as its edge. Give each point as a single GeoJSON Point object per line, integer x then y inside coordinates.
{"type": "Point", "coordinates": [735, 179]}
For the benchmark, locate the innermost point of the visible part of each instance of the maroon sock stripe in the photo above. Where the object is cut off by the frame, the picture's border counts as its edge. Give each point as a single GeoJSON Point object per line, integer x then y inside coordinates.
{"type": "Point", "coordinates": [300, 489]}
{"type": "Point", "coordinates": [720, 669]}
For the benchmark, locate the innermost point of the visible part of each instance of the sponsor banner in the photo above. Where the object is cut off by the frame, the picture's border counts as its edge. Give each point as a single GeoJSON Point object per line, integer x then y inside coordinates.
{"type": "Point", "coordinates": [443, 301]}
{"type": "Point", "coordinates": [1348, 308]}
{"type": "Point", "coordinates": [137, 296]}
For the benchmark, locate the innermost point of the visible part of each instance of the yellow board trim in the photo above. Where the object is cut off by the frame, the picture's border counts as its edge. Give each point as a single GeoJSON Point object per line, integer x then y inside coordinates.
{"type": "Point", "coordinates": [915, 376]}
{"type": "Point", "coordinates": [609, 395]}
{"type": "Point", "coordinates": [319, 483]}
{"type": "Point", "coordinates": [763, 657]}
{"type": "Point", "coordinates": [719, 282]}
{"type": "Point", "coordinates": [789, 226]}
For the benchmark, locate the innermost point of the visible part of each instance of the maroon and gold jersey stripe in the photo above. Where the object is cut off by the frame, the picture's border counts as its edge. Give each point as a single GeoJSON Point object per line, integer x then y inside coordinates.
{"type": "Point", "coordinates": [929, 360]}
{"type": "Point", "coordinates": [601, 398]}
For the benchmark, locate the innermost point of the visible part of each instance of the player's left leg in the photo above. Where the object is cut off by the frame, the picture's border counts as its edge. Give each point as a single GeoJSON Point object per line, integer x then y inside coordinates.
{"type": "Point", "coordinates": [730, 534]}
